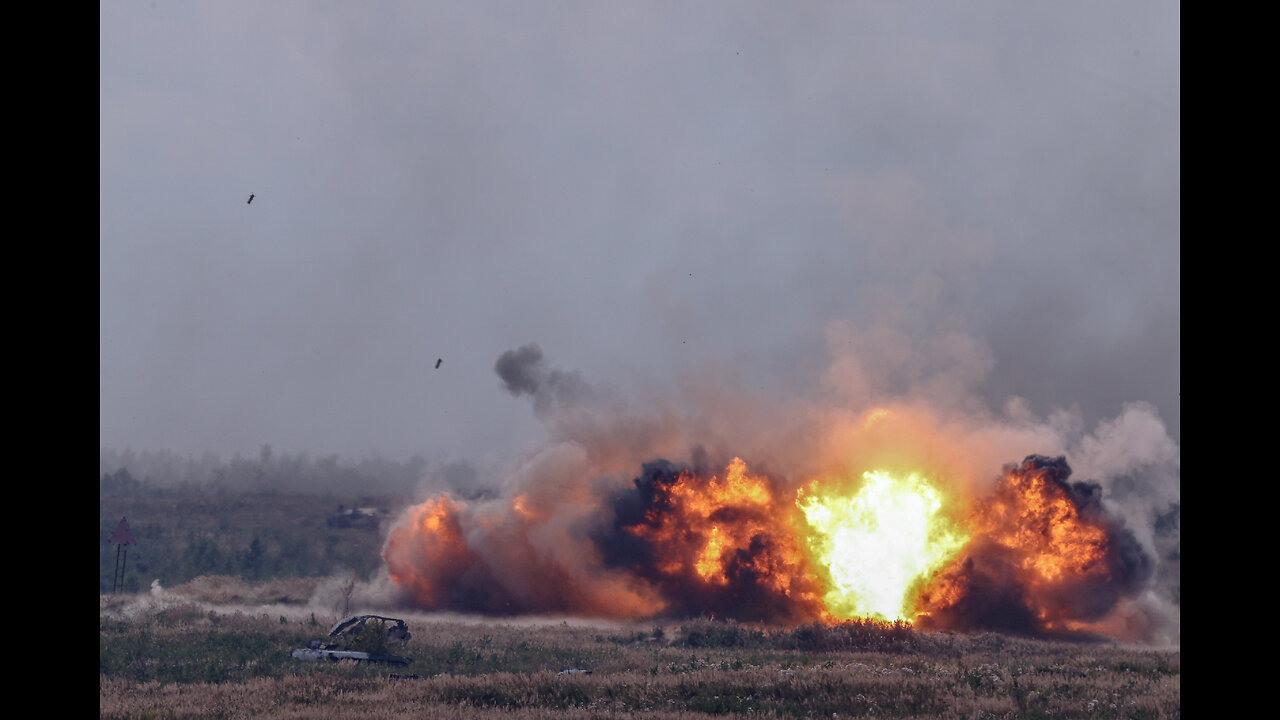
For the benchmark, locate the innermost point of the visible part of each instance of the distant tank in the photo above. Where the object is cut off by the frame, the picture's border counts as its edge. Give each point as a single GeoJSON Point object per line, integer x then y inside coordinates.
{"type": "Point", "coordinates": [361, 517]}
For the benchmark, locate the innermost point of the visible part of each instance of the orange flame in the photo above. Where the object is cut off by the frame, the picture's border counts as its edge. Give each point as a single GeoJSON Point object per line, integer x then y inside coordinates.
{"type": "Point", "coordinates": [1032, 543]}
{"type": "Point", "coordinates": [717, 531]}
{"type": "Point", "coordinates": [1032, 516]}
{"type": "Point", "coordinates": [426, 549]}
{"type": "Point", "coordinates": [742, 545]}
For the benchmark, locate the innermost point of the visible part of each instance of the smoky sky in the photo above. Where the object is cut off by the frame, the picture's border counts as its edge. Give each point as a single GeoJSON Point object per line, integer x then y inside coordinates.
{"type": "Point", "coordinates": [985, 198]}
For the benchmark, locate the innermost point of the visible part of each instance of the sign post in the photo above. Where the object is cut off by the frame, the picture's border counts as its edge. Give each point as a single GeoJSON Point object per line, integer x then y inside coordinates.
{"type": "Point", "coordinates": [121, 537]}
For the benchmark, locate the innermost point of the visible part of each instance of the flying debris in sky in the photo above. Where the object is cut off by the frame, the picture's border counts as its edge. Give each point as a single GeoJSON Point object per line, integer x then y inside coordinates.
{"type": "Point", "coordinates": [438, 361]}
{"type": "Point", "coordinates": [250, 198]}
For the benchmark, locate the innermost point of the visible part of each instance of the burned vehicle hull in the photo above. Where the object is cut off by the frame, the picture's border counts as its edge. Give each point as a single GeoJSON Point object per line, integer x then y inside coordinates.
{"type": "Point", "coordinates": [375, 630]}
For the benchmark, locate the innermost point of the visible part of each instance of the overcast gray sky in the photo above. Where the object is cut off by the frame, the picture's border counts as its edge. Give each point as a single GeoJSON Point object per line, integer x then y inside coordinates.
{"type": "Point", "coordinates": [977, 199]}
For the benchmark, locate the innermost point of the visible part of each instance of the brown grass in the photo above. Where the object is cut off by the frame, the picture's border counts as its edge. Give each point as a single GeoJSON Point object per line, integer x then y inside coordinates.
{"type": "Point", "coordinates": [470, 667]}
{"type": "Point", "coordinates": [227, 590]}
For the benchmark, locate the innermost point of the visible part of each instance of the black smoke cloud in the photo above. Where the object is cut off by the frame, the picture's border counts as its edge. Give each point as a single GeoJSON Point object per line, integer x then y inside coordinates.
{"type": "Point", "coordinates": [748, 595]}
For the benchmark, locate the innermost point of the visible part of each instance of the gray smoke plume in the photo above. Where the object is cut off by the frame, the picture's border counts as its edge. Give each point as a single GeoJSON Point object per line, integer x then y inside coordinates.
{"type": "Point", "coordinates": [524, 372]}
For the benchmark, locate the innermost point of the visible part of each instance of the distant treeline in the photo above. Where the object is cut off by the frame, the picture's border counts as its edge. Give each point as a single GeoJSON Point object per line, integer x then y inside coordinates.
{"type": "Point", "coordinates": [131, 473]}
{"type": "Point", "coordinates": [255, 518]}
{"type": "Point", "coordinates": [254, 537]}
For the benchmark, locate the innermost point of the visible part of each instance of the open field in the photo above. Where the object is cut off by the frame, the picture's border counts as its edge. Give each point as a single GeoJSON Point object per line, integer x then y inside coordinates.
{"type": "Point", "coordinates": [216, 648]}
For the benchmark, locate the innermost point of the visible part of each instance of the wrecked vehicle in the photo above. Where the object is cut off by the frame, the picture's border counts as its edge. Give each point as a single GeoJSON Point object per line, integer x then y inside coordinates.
{"type": "Point", "coordinates": [371, 632]}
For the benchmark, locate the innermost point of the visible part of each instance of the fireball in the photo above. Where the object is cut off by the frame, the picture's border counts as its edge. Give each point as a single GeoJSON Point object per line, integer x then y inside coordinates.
{"type": "Point", "coordinates": [878, 543]}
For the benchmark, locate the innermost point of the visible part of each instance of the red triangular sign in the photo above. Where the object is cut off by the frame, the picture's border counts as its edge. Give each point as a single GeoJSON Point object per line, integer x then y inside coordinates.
{"type": "Point", "coordinates": [122, 535]}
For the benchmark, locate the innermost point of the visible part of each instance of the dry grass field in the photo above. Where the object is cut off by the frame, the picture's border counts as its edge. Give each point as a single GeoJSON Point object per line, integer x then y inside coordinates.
{"type": "Point", "coordinates": [220, 648]}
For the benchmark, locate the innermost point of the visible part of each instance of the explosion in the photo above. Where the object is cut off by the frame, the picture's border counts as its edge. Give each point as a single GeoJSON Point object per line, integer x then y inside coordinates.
{"type": "Point", "coordinates": [436, 542]}
{"type": "Point", "coordinates": [1045, 558]}
{"type": "Point", "coordinates": [877, 543]}
{"type": "Point", "coordinates": [866, 537]}
{"type": "Point", "coordinates": [1035, 556]}
{"type": "Point", "coordinates": [727, 546]}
